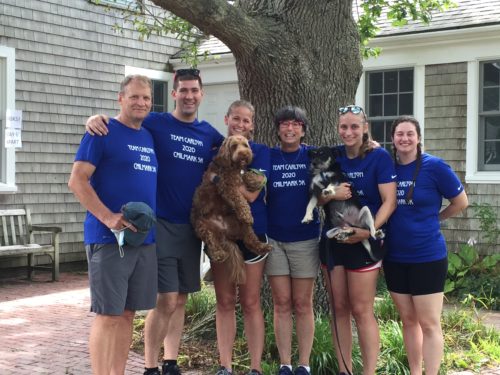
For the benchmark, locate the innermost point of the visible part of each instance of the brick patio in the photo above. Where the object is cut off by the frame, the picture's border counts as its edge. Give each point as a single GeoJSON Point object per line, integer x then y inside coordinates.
{"type": "Point", "coordinates": [44, 328]}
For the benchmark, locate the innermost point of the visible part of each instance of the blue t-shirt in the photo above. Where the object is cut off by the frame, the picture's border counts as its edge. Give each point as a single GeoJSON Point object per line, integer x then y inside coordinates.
{"type": "Point", "coordinates": [262, 162]}
{"type": "Point", "coordinates": [184, 151]}
{"type": "Point", "coordinates": [413, 234]}
{"type": "Point", "coordinates": [367, 173]}
{"type": "Point", "coordinates": [126, 171]}
{"type": "Point", "coordinates": [288, 196]}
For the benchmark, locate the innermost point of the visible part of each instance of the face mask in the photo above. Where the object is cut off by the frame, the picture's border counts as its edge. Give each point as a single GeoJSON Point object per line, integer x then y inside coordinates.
{"type": "Point", "coordinates": [120, 238]}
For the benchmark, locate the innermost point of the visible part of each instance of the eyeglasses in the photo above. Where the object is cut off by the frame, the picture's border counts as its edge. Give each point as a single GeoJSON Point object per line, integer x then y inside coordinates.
{"type": "Point", "coordinates": [294, 124]}
{"type": "Point", "coordinates": [187, 72]}
{"type": "Point", "coordinates": [356, 109]}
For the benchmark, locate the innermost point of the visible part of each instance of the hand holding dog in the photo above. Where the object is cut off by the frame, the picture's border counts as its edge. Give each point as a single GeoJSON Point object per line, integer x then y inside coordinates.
{"type": "Point", "coordinates": [358, 235]}
{"type": "Point", "coordinates": [342, 192]}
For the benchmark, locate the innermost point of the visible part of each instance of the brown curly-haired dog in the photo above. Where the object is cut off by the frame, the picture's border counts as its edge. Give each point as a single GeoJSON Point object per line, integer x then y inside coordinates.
{"type": "Point", "coordinates": [220, 214]}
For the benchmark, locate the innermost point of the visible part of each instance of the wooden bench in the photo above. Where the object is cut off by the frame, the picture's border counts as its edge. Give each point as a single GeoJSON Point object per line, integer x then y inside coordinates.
{"type": "Point", "coordinates": [17, 238]}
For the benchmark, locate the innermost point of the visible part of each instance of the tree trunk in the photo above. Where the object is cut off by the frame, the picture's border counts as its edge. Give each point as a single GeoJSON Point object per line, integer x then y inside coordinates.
{"type": "Point", "coordinates": [287, 52]}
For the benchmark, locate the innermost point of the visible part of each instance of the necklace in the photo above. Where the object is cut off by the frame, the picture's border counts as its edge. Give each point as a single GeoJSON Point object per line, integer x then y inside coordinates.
{"type": "Point", "coordinates": [296, 157]}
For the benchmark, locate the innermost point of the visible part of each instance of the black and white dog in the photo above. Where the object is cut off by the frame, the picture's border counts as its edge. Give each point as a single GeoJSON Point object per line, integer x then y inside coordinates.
{"type": "Point", "coordinates": [326, 175]}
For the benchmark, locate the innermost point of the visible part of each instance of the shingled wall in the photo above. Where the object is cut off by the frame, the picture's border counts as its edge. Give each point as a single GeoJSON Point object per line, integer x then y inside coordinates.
{"type": "Point", "coordinates": [69, 63]}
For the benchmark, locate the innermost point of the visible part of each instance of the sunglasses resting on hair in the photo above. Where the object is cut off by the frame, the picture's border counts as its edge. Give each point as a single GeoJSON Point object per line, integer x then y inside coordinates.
{"type": "Point", "coordinates": [356, 109]}
{"type": "Point", "coordinates": [187, 72]}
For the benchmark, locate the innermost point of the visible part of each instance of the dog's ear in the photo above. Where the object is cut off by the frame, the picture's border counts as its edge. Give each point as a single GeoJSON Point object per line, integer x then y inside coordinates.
{"type": "Point", "coordinates": [223, 157]}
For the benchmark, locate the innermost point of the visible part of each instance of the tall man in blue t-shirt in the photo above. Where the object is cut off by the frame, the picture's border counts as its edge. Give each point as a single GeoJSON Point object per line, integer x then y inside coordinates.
{"type": "Point", "coordinates": [109, 172]}
{"type": "Point", "coordinates": [184, 148]}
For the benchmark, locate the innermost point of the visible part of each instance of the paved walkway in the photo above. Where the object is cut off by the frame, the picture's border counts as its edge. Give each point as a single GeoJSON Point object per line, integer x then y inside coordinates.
{"type": "Point", "coordinates": [44, 328]}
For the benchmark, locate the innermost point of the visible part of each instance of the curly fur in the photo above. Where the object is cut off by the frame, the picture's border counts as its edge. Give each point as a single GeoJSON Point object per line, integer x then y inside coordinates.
{"type": "Point", "coordinates": [220, 214]}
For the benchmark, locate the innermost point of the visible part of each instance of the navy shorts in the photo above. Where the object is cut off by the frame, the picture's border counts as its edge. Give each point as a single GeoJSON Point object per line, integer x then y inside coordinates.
{"type": "Point", "coordinates": [351, 256]}
{"type": "Point", "coordinates": [118, 284]}
{"type": "Point", "coordinates": [416, 278]}
{"type": "Point", "coordinates": [179, 252]}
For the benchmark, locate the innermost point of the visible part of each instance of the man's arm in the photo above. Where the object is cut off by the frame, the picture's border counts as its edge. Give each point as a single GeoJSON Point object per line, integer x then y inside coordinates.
{"type": "Point", "coordinates": [79, 184]}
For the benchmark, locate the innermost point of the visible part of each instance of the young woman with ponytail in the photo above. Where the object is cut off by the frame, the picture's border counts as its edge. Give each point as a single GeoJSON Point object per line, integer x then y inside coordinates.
{"type": "Point", "coordinates": [348, 268]}
{"type": "Point", "coordinates": [416, 264]}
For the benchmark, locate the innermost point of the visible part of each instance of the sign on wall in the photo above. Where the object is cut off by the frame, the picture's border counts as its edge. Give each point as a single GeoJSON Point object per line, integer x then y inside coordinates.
{"type": "Point", "coordinates": [13, 126]}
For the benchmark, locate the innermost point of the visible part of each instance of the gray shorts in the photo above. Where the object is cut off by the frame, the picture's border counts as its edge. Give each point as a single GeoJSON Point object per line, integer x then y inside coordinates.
{"type": "Point", "coordinates": [118, 284]}
{"type": "Point", "coordinates": [179, 252]}
{"type": "Point", "coordinates": [298, 259]}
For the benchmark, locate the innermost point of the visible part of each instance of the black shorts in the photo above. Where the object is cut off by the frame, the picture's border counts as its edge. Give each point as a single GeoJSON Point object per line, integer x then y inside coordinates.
{"type": "Point", "coordinates": [416, 278]}
{"type": "Point", "coordinates": [351, 256]}
{"type": "Point", "coordinates": [248, 256]}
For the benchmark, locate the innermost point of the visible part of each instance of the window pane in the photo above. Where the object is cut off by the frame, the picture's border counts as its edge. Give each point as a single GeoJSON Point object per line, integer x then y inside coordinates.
{"type": "Point", "coordinates": [492, 153]}
{"type": "Point", "coordinates": [158, 93]}
{"type": "Point", "coordinates": [375, 81]}
{"type": "Point", "coordinates": [391, 105]}
{"type": "Point", "coordinates": [491, 99]}
{"type": "Point", "coordinates": [492, 74]}
{"type": "Point", "coordinates": [388, 125]}
{"type": "Point", "coordinates": [406, 80]}
{"type": "Point", "coordinates": [405, 104]}
{"type": "Point", "coordinates": [375, 105]}
{"type": "Point", "coordinates": [377, 130]}
{"type": "Point", "coordinates": [391, 81]}
{"type": "Point", "coordinates": [492, 128]}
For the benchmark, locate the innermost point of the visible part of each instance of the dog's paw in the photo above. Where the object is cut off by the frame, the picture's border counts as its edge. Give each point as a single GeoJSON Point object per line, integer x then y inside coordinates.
{"type": "Point", "coordinates": [380, 234]}
{"type": "Point", "coordinates": [339, 234]}
{"type": "Point", "coordinates": [307, 219]}
{"type": "Point", "coordinates": [329, 190]}
{"type": "Point", "coordinates": [263, 249]}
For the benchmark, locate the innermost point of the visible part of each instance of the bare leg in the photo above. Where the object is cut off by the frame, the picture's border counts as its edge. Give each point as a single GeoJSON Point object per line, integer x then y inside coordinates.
{"type": "Point", "coordinates": [412, 332]}
{"type": "Point", "coordinates": [172, 339]}
{"type": "Point", "coordinates": [156, 326]}
{"type": "Point", "coordinates": [429, 309]}
{"type": "Point", "coordinates": [302, 291]}
{"type": "Point", "coordinates": [225, 320]}
{"type": "Point", "coordinates": [362, 288]}
{"type": "Point", "coordinates": [108, 355]}
{"type": "Point", "coordinates": [123, 342]}
{"type": "Point", "coordinates": [252, 313]}
{"type": "Point", "coordinates": [281, 289]}
{"type": "Point", "coordinates": [342, 309]}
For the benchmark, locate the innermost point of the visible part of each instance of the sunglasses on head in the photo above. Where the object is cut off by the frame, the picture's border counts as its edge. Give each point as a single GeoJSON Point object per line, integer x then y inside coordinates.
{"type": "Point", "coordinates": [356, 109]}
{"type": "Point", "coordinates": [187, 72]}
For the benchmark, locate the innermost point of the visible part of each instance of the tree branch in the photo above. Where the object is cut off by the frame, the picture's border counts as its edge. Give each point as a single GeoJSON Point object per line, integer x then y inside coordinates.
{"type": "Point", "coordinates": [215, 17]}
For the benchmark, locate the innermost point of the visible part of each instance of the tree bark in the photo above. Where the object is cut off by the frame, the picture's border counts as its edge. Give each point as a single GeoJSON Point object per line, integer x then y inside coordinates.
{"type": "Point", "coordinates": [287, 52]}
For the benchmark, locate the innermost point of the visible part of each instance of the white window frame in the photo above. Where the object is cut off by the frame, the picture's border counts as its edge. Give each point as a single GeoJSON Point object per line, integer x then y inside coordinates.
{"type": "Point", "coordinates": [418, 89]}
{"type": "Point", "coordinates": [7, 101]}
{"type": "Point", "coordinates": [472, 172]}
{"type": "Point", "coordinates": [153, 74]}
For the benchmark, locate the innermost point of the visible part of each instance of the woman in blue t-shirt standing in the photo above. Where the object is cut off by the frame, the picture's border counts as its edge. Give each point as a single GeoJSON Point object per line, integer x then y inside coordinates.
{"type": "Point", "coordinates": [354, 273]}
{"type": "Point", "coordinates": [416, 263]}
{"type": "Point", "coordinates": [293, 263]}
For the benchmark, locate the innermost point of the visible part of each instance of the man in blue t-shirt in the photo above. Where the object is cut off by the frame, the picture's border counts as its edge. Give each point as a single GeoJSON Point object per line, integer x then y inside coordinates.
{"type": "Point", "coordinates": [184, 149]}
{"type": "Point", "coordinates": [109, 172]}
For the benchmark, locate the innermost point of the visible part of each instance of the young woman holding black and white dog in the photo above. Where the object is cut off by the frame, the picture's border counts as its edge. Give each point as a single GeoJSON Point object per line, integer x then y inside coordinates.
{"type": "Point", "coordinates": [415, 266]}
{"type": "Point", "coordinates": [349, 270]}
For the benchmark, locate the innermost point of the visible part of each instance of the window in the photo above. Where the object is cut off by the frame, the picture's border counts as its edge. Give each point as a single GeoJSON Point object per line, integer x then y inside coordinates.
{"type": "Point", "coordinates": [389, 95]}
{"type": "Point", "coordinates": [160, 96]}
{"type": "Point", "coordinates": [489, 117]}
{"type": "Point", "coordinates": [7, 101]}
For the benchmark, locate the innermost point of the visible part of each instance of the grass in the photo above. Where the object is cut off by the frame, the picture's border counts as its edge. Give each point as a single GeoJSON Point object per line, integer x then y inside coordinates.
{"type": "Point", "coordinates": [469, 344]}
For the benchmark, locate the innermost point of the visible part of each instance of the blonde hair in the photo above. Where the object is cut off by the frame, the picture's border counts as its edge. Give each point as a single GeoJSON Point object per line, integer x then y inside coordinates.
{"type": "Point", "coordinates": [135, 77]}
